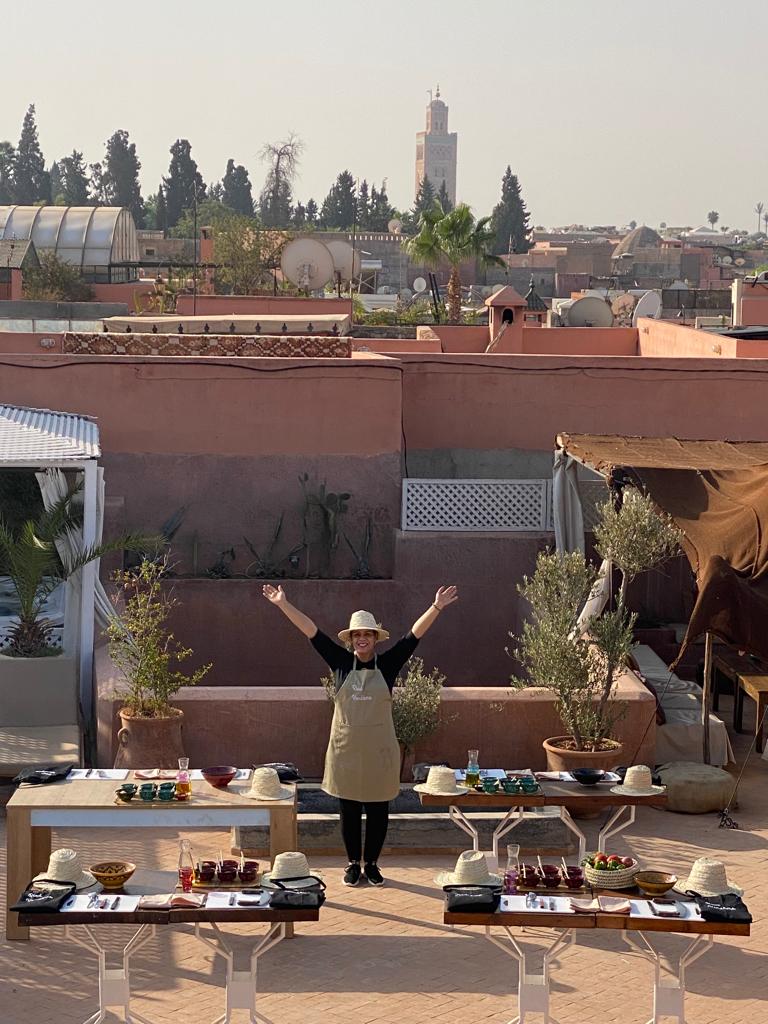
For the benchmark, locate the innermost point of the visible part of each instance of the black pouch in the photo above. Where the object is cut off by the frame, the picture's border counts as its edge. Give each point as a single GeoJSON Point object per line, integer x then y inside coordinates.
{"type": "Point", "coordinates": [286, 771]}
{"type": "Point", "coordinates": [44, 896]}
{"type": "Point", "coordinates": [287, 897]}
{"type": "Point", "coordinates": [728, 907]}
{"type": "Point", "coordinates": [40, 774]}
{"type": "Point", "coordinates": [472, 899]}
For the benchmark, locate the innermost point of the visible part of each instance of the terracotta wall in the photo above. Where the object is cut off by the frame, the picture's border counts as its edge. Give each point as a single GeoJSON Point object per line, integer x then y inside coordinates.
{"type": "Point", "coordinates": [260, 305]}
{"type": "Point", "coordinates": [456, 337]}
{"type": "Point", "coordinates": [754, 305]}
{"type": "Point", "coordinates": [669, 339]}
{"type": "Point", "coordinates": [580, 341]}
{"type": "Point", "coordinates": [262, 724]}
{"type": "Point", "coordinates": [132, 292]}
{"type": "Point", "coordinates": [20, 341]}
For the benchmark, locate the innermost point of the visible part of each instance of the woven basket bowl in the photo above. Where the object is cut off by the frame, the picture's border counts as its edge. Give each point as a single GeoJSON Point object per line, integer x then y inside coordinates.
{"type": "Point", "coordinates": [623, 878]}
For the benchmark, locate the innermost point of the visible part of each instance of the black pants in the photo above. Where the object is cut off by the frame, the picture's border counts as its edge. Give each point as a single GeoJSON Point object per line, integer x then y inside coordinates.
{"type": "Point", "coordinates": [376, 821]}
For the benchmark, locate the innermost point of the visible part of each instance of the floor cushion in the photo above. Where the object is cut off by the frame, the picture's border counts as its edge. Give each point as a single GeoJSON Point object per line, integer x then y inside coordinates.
{"type": "Point", "coordinates": [696, 788]}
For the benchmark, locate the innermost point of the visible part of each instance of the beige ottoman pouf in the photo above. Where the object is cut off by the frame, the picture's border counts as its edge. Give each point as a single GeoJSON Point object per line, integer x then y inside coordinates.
{"type": "Point", "coordinates": [694, 788]}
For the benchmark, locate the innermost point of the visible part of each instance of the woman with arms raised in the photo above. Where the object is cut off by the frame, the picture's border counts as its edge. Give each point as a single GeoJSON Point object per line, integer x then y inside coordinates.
{"type": "Point", "coordinates": [362, 762]}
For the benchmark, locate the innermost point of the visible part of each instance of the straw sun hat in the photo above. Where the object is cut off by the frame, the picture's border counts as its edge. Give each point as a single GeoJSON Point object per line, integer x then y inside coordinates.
{"type": "Point", "coordinates": [363, 620]}
{"type": "Point", "coordinates": [708, 878]}
{"type": "Point", "coordinates": [289, 865]}
{"type": "Point", "coordinates": [471, 869]}
{"type": "Point", "coordinates": [266, 785]}
{"type": "Point", "coordinates": [65, 866]}
{"type": "Point", "coordinates": [441, 781]}
{"type": "Point", "coordinates": [638, 781]}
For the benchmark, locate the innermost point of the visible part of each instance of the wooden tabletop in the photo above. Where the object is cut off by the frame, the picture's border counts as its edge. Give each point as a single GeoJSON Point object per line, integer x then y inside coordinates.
{"type": "Point", "coordinates": [614, 922]}
{"type": "Point", "coordinates": [151, 883]}
{"type": "Point", "coordinates": [96, 794]}
{"type": "Point", "coordinates": [733, 664]}
{"type": "Point", "coordinates": [549, 794]}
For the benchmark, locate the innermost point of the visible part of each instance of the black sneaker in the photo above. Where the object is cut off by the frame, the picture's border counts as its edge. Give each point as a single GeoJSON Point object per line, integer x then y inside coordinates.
{"type": "Point", "coordinates": [373, 874]}
{"type": "Point", "coordinates": [352, 874]}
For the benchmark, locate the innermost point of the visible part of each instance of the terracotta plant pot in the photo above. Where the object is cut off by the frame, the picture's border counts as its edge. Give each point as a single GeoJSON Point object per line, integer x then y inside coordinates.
{"type": "Point", "coordinates": [149, 742]}
{"type": "Point", "coordinates": [560, 759]}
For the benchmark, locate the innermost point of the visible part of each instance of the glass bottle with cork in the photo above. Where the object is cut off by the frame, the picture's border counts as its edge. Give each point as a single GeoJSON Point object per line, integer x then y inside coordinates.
{"type": "Point", "coordinates": [186, 865]}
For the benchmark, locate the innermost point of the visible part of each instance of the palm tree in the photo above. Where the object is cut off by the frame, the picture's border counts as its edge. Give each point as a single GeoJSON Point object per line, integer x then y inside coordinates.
{"type": "Point", "coordinates": [452, 238]}
{"type": "Point", "coordinates": [765, 222]}
{"type": "Point", "coordinates": [759, 211]}
{"type": "Point", "coordinates": [713, 217]}
{"type": "Point", "coordinates": [29, 558]}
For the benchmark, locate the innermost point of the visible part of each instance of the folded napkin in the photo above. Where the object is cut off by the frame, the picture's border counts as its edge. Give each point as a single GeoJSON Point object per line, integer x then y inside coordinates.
{"type": "Point", "coordinates": [601, 905]}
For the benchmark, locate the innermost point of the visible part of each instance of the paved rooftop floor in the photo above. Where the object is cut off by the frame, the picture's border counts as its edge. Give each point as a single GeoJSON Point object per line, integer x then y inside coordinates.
{"type": "Point", "coordinates": [383, 957]}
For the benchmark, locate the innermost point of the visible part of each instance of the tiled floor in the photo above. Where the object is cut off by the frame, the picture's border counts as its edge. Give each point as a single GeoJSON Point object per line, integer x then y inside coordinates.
{"type": "Point", "coordinates": [382, 956]}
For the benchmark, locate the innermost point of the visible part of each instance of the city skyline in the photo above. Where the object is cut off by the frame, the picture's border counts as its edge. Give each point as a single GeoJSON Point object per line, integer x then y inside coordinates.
{"type": "Point", "coordinates": [604, 116]}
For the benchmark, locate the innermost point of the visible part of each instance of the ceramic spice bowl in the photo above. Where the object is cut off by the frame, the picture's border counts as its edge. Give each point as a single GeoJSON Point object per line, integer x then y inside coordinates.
{"type": "Point", "coordinates": [113, 874]}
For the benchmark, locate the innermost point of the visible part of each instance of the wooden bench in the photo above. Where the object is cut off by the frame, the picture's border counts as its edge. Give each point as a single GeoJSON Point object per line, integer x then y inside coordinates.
{"type": "Point", "coordinates": [747, 678]}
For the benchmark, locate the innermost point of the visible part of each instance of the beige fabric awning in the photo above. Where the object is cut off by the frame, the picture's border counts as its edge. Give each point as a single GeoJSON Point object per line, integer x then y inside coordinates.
{"type": "Point", "coordinates": [602, 452]}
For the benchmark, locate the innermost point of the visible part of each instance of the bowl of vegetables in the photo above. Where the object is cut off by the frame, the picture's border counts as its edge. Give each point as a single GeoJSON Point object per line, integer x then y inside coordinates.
{"type": "Point", "coordinates": [610, 871]}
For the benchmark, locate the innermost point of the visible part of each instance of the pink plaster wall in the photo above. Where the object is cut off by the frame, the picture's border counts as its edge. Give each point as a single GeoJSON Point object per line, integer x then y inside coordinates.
{"type": "Point", "coordinates": [754, 305]}
{"type": "Point", "coordinates": [132, 292]}
{"type": "Point", "coordinates": [580, 341]}
{"type": "Point", "coordinates": [669, 339]}
{"type": "Point", "coordinates": [19, 341]}
{"type": "Point", "coordinates": [261, 305]}
{"type": "Point", "coordinates": [456, 337]}
{"type": "Point", "coordinates": [396, 346]}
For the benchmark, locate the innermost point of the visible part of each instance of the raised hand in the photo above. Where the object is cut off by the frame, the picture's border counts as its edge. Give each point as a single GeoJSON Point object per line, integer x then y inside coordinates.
{"type": "Point", "coordinates": [274, 594]}
{"type": "Point", "coordinates": [445, 596]}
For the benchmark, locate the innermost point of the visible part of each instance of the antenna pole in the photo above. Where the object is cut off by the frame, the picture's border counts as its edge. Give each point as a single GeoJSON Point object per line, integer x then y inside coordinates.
{"type": "Point", "coordinates": [194, 269]}
{"type": "Point", "coordinates": [354, 235]}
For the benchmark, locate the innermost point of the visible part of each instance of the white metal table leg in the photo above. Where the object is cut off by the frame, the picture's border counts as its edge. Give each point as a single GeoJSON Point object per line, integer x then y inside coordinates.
{"type": "Point", "coordinates": [459, 818]}
{"type": "Point", "coordinates": [511, 820]}
{"type": "Point", "coordinates": [240, 984]}
{"type": "Point", "coordinates": [114, 982]}
{"type": "Point", "coordinates": [532, 989]}
{"type": "Point", "coordinates": [669, 988]}
{"type": "Point", "coordinates": [614, 825]}
{"type": "Point", "coordinates": [571, 824]}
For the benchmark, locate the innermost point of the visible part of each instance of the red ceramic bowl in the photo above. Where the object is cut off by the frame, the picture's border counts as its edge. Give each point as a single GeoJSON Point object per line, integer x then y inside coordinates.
{"type": "Point", "coordinates": [219, 776]}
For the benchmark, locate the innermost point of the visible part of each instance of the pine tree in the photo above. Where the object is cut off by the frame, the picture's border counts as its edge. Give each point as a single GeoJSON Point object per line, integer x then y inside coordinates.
{"type": "Point", "coordinates": [425, 198]}
{"type": "Point", "coordinates": [299, 218]}
{"type": "Point", "coordinates": [363, 206]}
{"type": "Point", "coordinates": [121, 175]}
{"type": "Point", "coordinates": [444, 199]}
{"type": "Point", "coordinates": [161, 211]}
{"type": "Point", "coordinates": [97, 185]}
{"type": "Point", "coordinates": [382, 210]}
{"type": "Point", "coordinates": [54, 176]}
{"type": "Point", "coordinates": [74, 180]}
{"type": "Point", "coordinates": [184, 184]}
{"type": "Point", "coordinates": [7, 161]}
{"type": "Point", "coordinates": [236, 189]}
{"type": "Point", "coordinates": [32, 183]}
{"type": "Point", "coordinates": [216, 191]}
{"type": "Point", "coordinates": [311, 212]}
{"type": "Point", "coordinates": [340, 205]}
{"type": "Point", "coordinates": [510, 218]}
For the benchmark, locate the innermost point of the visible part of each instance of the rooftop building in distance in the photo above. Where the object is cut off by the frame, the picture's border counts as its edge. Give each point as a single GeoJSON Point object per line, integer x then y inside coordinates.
{"type": "Point", "coordinates": [436, 149]}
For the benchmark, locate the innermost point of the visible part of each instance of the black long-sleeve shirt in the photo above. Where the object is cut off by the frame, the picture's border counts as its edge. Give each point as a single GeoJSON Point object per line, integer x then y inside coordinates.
{"type": "Point", "coordinates": [341, 661]}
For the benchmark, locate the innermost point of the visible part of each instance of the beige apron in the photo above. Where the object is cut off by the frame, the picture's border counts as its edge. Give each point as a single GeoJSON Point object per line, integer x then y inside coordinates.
{"type": "Point", "coordinates": [362, 761]}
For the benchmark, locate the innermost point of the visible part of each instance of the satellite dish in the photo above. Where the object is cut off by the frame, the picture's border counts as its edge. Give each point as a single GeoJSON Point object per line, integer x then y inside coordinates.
{"type": "Point", "coordinates": [395, 226]}
{"type": "Point", "coordinates": [739, 261]}
{"type": "Point", "coordinates": [419, 285]}
{"type": "Point", "coordinates": [346, 260]}
{"type": "Point", "coordinates": [592, 292]}
{"type": "Point", "coordinates": [649, 306]}
{"type": "Point", "coordinates": [307, 263]}
{"type": "Point", "coordinates": [406, 294]}
{"type": "Point", "coordinates": [726, 260]}
{"type": "Point", "coordinates": [589, 312]}
{"type": "Point", "coordinates": [623, 304]}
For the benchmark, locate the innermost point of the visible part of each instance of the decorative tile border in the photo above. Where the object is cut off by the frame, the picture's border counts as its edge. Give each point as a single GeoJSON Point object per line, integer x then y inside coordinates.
{"type": "Point", "coordinates": [277, 346]}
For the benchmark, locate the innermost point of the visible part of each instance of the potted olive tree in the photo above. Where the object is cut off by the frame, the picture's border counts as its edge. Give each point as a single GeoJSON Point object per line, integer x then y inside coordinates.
{"type": "Point", "coordinates": [580, 661]}
{"type": "Point", "coordinates": [147, 655]}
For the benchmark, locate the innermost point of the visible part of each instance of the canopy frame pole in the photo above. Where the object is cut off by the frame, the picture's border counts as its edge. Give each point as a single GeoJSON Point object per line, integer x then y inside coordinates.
{"type": "Point", "coordinates": [706, 695]}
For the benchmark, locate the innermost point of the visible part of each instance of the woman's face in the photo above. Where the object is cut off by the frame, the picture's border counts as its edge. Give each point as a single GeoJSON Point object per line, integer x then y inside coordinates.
{"type": "Point", "coordinates": [363, 641]}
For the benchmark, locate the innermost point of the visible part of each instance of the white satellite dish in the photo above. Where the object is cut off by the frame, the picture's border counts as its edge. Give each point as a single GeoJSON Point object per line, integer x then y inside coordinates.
{"type": "Point", "coordinates": [589, 312]}
{"type": "Point", "coordinates": [307, 263]}
{"type": "Point", "coordinates": [419, 285]}
{"type": "Point", "coordinates": [727, 260]}
{"type": "Point", "coordinates": [648, 306]}
{"type": "Point", "coordinates": [395, 226]}
{"type": "Point", "coordinates": [623, 304]}
{"type": "Point", "coordinates": [346, 260]}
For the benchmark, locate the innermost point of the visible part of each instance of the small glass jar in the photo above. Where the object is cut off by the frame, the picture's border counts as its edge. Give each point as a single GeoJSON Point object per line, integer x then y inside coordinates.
{"type": "Point", "coordinates": [186, 865]}
{"type": "Point", "coordinates": [183, 781]}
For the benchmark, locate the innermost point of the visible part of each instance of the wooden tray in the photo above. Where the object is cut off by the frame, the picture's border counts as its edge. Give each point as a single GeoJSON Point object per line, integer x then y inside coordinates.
{"type": "Point", "coordinates": [157, 802]}
{"type": "Point", "coordinates": [223, 886]}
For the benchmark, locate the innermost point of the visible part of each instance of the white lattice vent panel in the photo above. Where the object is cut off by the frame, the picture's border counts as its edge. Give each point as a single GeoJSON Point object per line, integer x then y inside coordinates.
{"type": "Point", "coordinates": [475, 505]}
{"type": "Point", "coordinates": [593, 494]}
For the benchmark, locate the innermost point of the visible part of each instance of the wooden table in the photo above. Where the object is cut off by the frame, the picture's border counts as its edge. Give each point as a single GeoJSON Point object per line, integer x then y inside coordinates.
{"type": "Point", "coordinates": [550, 794]}
{"type": "Point", "coordinates": [533, 988]}
{"type": "Point", "coordinates": [747, 678]}
{"type": "Point", "coordinates": [90, 803]}
{"type": "Point", "coordinates": [114, 982]}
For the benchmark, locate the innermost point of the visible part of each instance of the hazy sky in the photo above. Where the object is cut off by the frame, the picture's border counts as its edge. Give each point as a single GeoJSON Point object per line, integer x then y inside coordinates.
{"type": "Point", "coordinates": [607, 110]}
